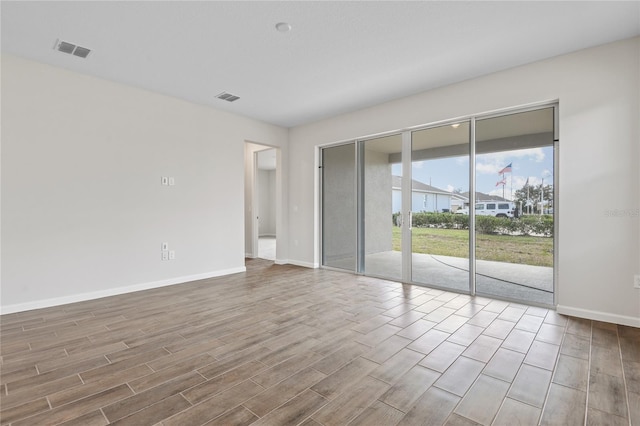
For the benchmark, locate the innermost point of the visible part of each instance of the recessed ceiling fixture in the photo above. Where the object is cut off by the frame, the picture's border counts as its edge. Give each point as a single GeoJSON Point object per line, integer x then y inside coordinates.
{"type": "Point", "coordinates": [283, 27]}
{"type": "Point", "coordinates": [65, 47]}
{"type": "Point", "coordinates": [227, 97]}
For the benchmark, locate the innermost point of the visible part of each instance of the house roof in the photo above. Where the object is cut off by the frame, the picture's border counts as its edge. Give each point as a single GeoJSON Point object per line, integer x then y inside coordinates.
{"type": "Point", "coordinates": [419, 186]}
{"type": "Point", "coordinates": [481, 196]}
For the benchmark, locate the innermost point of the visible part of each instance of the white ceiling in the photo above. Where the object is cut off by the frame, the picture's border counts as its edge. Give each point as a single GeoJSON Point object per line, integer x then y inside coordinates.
{"type": "Point", "coordinates": [339, 56]}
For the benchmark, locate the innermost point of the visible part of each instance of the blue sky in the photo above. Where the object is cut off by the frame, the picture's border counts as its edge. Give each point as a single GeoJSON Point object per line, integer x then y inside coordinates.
{"type": "Point", "coordinates": [453, 173]}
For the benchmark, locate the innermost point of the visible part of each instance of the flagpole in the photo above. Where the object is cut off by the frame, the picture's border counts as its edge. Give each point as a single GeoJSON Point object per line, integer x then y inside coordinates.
{"type": "Point", "coordinates": [528, 202]}
{"type": "Point", "coordinates": [542, 197]}
{"type": "Point", "coordinates": [503, 186]}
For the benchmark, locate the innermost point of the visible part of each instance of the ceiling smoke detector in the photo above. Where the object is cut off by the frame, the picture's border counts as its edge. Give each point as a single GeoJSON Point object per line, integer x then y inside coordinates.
{"type": "Point", "coordinates": [227, 97]}
{"type": "Point", "coordinates": [65, 47]}
{"type": "Point", "coordinates": [283, 27]}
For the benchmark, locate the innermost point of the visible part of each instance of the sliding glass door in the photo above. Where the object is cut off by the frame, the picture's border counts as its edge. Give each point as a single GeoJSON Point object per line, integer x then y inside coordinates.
{"type": "Point", "coordinates": [439, 188]}
{"type": "Point", "coordinates": [466, 206]}
{"type": "Point", "coordinates": [381, 189]}
{"type": "Point", "coordinates": [514, 206]}
{"type": "Point", "coordinates": [339, 201]}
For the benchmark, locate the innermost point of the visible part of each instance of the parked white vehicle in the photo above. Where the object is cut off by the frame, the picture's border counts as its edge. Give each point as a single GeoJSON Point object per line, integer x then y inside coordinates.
{"type": "Point", "coordinates": [492, 208]}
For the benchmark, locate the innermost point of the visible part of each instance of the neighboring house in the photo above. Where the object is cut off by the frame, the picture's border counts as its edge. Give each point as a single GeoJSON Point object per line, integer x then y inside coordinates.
{"type": "Point", "coordinates": [424, 198]}
{"type": "Point", "coordinates": [458, 201]}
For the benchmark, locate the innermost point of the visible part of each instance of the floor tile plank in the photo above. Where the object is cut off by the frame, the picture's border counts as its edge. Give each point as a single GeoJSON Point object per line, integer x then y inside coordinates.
{"type": "Point", "coordinates": [432, 408]}
{"type": "Point", "coordinates": [460, 376]}
{"type": "Point", "coordinates": [379, 414]}
{"type": "Point", "coordinates": [294, 411]}
{"type": "Point", "coordinates": [351, 402]}
{"type": "Point", "coordinates": [409, 388]}
{"type": "Point", "coordinates": [483, 400]}
{"type": "Point", "coordinates": [277, 395]}
{"type": "Point", "coordinates": [516, 413]}
{"type": "Point", "coordinates": [531, 385]}
{"type": "Point", "coordinates": [564, 406]}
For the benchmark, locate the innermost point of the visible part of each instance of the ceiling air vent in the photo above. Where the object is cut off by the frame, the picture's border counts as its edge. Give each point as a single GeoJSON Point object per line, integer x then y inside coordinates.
{"type": "Point", "coordinates": [227, 97]}
{"type": "Point", "coordinates": [64, 47]}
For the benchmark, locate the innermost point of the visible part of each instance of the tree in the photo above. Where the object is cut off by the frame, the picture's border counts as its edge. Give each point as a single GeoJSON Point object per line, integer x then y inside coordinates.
{"type": "Point", "coordinates": [520, 196]}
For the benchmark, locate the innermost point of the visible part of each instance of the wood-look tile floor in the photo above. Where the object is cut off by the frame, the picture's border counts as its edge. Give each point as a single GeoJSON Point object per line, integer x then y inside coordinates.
{"type": "Point", "coordinates": [283, 345]}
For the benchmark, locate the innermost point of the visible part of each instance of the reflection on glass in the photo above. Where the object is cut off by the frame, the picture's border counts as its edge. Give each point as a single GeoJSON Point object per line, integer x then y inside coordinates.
{"type": "Point", "coordinates": [339, 207]}
{"type": "Point", "coordinates": [514, 206]}
{"type": "Point", "coordinates": [440, 202]}
{"type": "Point", "coordinates": [381, 200]}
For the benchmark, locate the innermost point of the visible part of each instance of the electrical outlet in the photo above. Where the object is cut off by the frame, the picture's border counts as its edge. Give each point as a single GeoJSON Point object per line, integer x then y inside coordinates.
{"type": "Point", "coordinates": [636, 281]}
{"type": "Point", "coordinates": [172, 181]}
{"type": "Point", "coordinates": [165, 255]}
{"type": "Point", "coordinates": [172, 254]}
{"type": "Point", "coordinates": [164, 247]}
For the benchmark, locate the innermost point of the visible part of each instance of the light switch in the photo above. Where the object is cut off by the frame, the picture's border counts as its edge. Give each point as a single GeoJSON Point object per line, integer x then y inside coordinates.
{"type": "Point", "coordinates": [164, 180]}
{"type": "Point", "coordinates": [172, 181]}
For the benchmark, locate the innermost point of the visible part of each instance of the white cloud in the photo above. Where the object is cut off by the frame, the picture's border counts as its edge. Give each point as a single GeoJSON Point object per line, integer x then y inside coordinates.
{"type": "Point", "coordinates": [494, 162]}
{"type": "Point", "coordinates": [498, 192]}
{"type": "Point", "coordinates": [487, 169]}
{"type": "Point", "coordinates": [520, 181]}
{"type": "Point", "coordinates": [450, 188]}
{"type": "Point", "coordinates": [417, 164]}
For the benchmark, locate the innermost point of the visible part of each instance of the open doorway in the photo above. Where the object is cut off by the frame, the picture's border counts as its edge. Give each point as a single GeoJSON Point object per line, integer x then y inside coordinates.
{"type": "Point", "coordinates": [261, 200]}
{"type": "Point", "coordinates": [266, 195]}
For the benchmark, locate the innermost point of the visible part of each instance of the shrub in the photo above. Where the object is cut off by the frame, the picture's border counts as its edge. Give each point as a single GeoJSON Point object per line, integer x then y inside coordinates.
{"type": "Point", "coordinates": [525, 225]}
{"type": "Point", "coordinates": [434, 220]}
{"type": "Point", "coordinates": [487, 224]}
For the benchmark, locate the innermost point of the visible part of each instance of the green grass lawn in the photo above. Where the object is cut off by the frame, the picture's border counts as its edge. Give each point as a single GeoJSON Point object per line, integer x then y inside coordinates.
{"type": "Point", "coordinates": [525, 250]}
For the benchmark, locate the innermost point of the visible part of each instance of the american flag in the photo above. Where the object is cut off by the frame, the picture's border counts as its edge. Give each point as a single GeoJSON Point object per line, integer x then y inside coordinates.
{"type": "Point", "coordinates": [506, 169]}
{"type": "Point", "coordinates": [502, 182]}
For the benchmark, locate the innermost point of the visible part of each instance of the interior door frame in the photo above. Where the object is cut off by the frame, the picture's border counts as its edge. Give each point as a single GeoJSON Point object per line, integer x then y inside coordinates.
{"type": "Point", "coordinates": [255, 202]}
{"type": "Point", "coordinates": [251, 188]}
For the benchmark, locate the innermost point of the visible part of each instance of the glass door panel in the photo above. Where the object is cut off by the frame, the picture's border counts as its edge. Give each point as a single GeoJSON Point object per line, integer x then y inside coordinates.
{"type": "Point", "coordinates": [514, 206]}
{"type": "Point", "coordinates": [381, 204]}
{"type": "Point", "coordinates": [339, 207]}
{"type": "Point", "coordinates": [439, 205]}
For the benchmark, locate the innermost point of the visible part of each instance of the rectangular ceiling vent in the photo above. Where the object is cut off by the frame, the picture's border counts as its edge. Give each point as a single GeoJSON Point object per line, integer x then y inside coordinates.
{"type": "Point", "coordinates": [65, 47]}
{"type": "Point", "coordinates": [227, 97]}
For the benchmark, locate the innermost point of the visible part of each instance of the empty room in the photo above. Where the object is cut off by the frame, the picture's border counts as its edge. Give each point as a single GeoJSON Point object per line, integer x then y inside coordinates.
{"type": "Point", "coordinates": [320, 213]}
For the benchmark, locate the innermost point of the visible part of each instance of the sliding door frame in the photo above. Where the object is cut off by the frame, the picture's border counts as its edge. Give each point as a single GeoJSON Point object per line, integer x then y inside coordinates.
{"type": "Point", "coordinates": [406, 134]}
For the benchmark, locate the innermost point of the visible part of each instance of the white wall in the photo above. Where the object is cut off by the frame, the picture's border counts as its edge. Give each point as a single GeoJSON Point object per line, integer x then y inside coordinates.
{"type": "Point", "coordinates": [267, 203]}
{"type": "Point", "coordinates": [598, 91]}
{"type": "Point", "coordinates": [83, 211]}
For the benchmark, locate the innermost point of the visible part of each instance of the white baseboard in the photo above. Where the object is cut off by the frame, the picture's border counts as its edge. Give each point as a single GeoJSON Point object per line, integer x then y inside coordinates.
{"type": "Point", "coordinates": [599, 316]}
{"type": "Point", "coordinates": [297, 263]}
{"type": "Point", "coordinates": [56, 301]}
